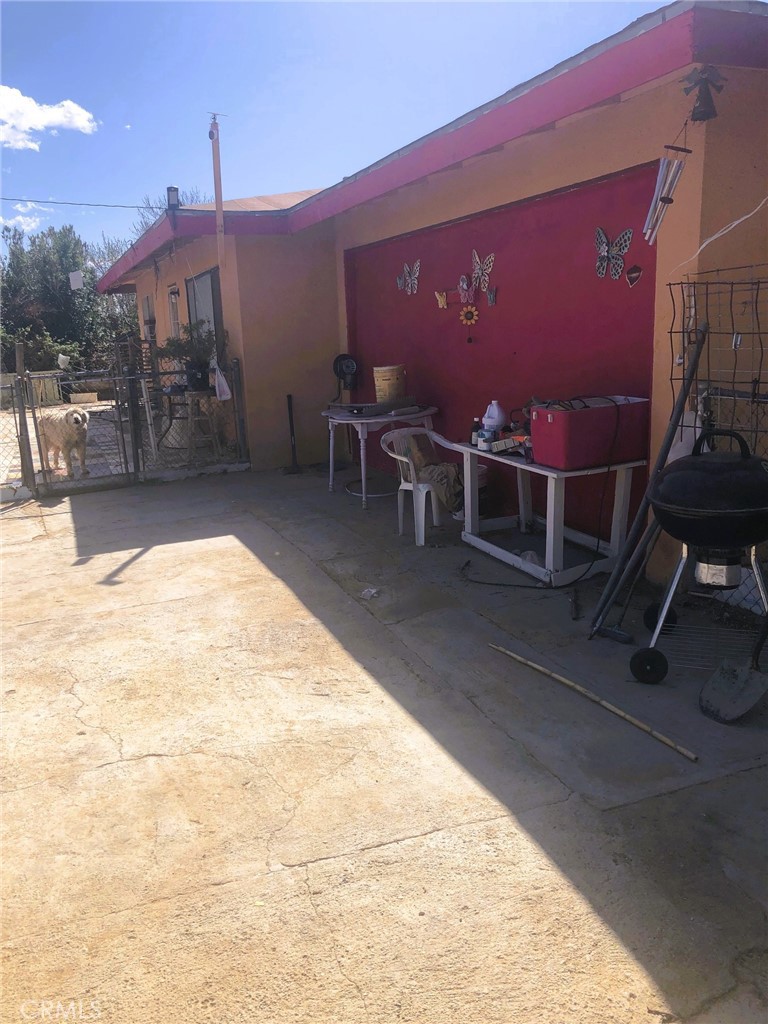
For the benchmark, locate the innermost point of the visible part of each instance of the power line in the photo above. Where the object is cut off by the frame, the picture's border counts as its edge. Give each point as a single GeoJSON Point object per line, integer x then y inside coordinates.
{"type": "Point", "coordinates": [63, 202]}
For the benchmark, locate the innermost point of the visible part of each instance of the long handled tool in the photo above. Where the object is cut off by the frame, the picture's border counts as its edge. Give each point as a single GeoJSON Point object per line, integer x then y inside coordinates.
{"type": "Point", "coordinates": [599, 700]}
{"type": "Point", "coordinates": [294, 466]}
{"type": "Point", "coordinates": [637, 565]}
{"type": "Point", "coordinates": [618, 576]}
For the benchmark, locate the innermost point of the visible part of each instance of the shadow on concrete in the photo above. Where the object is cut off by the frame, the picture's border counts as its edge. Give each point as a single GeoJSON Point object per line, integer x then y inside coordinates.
{"type": "Point", "coordinates": [668, 852]}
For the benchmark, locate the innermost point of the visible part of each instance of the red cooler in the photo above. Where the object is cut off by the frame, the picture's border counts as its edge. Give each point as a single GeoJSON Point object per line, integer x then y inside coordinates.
{"type": "Point", "coordinates": [592, 432]}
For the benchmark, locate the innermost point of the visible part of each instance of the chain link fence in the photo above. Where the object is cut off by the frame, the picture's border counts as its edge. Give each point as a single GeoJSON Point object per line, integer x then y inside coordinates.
{"type": "Point", "coordinates": [90, 430]}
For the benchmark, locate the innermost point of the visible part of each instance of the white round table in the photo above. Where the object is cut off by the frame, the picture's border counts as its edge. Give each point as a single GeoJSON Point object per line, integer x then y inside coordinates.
{"type": "Point", "coordinates": [364, 424]}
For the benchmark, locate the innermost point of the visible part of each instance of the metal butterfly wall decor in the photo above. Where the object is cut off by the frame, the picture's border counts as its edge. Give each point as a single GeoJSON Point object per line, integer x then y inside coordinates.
{"type": "Point", "coordinates": [442, 300]}
{"type": "Point", "coordinates": [481, 270]}
{"type": "Point", "coordinates": [466, 290]}
{"type": "Point", "coordinates": [611, 253]}
{"type": "Point", "coordinates": [409, 279]}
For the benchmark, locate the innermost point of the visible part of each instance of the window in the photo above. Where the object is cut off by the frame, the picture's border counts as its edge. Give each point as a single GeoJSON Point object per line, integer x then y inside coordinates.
{"type": "Point", "coordinates": [173, 310]}
{"type": "Point", "coordinates": [148, 310]}
{"type": "Point", "coordinates": [204, 302]}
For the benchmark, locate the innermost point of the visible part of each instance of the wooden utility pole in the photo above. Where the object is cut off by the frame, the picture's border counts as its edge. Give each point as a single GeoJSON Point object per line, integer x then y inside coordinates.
{"type": "Point", "coordinates": [213, 135]}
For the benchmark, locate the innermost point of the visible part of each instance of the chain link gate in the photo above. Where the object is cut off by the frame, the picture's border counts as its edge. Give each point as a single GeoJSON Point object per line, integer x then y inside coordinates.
{"type": "Point", "coordinates": [139, 426]}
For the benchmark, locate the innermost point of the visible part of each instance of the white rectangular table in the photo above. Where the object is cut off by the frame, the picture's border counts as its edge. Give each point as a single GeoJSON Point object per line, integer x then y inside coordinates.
{"type": "Point", "coordinates": [553, 572]}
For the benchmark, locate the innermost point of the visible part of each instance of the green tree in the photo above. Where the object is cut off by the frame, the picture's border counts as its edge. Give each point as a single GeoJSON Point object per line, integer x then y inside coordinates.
{"type": "Point", "coordinates": [152, 208]}
{"type": "Point", "coordinates": [41, 308]}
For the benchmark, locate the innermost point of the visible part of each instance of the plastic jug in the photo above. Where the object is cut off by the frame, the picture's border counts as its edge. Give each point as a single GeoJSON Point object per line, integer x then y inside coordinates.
{"type": "Point", "coordinates": [495, 417]}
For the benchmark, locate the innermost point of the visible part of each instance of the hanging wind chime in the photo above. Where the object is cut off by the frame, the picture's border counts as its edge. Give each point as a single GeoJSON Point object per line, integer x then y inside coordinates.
{"type": "Point", "coordinates": [703, 80]}
{"type": "Point", "coordinates": [670, 169]}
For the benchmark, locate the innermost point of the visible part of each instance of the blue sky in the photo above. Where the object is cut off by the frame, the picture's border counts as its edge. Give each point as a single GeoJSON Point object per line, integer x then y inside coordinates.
{"type": "Point", "coordinates": [312, 91]}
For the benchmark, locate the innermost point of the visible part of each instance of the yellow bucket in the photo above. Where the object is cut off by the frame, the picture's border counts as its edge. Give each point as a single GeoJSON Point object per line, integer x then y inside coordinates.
{"type": "Point", "coordinates": [389, 381]}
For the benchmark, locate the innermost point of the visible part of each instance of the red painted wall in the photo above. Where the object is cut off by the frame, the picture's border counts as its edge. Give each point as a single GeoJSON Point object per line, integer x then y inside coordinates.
{"type": "Point", "coordinates": [557, 329]}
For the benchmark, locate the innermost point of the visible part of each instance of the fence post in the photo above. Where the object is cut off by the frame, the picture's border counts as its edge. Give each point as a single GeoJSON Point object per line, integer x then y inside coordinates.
{"type": "Point", "coordinates": [134, 414]}
{"type": "Point", "coordinates": [237, 394]}
{"type": "Point", "coordinates": [25, 449]}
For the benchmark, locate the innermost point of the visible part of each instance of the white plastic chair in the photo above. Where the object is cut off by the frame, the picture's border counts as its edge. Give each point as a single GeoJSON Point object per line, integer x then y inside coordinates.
{"type": "Point", "coordinates": [396, 444]}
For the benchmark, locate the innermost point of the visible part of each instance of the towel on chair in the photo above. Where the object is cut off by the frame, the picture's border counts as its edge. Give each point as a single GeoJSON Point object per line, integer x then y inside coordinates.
{"type": "Point", "coordinates": [446, 479]}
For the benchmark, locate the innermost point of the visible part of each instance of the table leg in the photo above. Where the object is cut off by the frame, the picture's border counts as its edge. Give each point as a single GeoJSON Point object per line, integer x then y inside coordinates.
{"type": "Point", "coordinates": [620, 510]}
{"type": "Point", "coordinates": [555, 517]}
{"type": "Point", "coordinates": [524, 501]}
{"type": "Point", "coordinates": [471, 502]}
{"type": "Point", "coordinates": [331, 456]}
{"type": "Point", "coordinates": [362, 430]}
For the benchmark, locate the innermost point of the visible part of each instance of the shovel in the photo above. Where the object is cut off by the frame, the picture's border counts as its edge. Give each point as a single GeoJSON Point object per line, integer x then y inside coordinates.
{"type": "Point", "coordinates": [294, 466]}
{"type": "Point", "coordinates": [734, 689]}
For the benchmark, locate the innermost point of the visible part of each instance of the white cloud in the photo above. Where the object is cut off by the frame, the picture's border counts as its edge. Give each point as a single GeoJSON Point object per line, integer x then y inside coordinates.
{"type": "Point", "coordinates": [127, 127]}
{"type": "Point", "coordinates": [27, 207]}
{"type": "Point", "coordinates": [21, 118]}
{"type": "Point", "coordinates": [26, 224]}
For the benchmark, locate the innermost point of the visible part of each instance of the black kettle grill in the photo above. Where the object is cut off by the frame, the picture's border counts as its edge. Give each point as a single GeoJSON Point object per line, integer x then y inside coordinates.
{"type": "Point", "coordinates": [716, 503]}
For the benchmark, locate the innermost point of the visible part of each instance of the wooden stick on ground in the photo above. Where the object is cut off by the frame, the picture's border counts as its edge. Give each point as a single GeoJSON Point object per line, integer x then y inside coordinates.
{"type": "Point", "coordinates": [598, 700]}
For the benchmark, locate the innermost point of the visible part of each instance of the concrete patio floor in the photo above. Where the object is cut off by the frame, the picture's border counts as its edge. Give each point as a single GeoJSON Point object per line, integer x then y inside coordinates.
{"type": "Point", "coordinates": [239, 790]}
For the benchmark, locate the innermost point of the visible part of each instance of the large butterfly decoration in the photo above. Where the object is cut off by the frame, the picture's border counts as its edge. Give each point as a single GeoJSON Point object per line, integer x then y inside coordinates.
{"type": "Point", "coordinates": [409, 279]}
{"type": "Point", "coordinates": [611, 253]}
{"type": "Point", "coordinates": [466, 290]}
{"type": "Point", "coordinates": [481, 270]}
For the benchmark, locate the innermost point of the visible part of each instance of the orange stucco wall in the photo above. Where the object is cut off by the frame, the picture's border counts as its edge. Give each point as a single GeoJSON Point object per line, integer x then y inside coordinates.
{"type": "Point", "coordinates": [287, 290]}
{"type": "Point", "coordinates": [186, 261]}
{"type": "Point", "coordinates": [279, 308]}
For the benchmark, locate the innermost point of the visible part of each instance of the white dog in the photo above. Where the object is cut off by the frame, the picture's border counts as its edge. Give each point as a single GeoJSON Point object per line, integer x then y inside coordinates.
{"type": "Point", "coordinates": [63, 431]}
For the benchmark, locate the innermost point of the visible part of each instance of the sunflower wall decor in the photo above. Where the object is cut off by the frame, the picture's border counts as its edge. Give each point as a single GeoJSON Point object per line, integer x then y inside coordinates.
{"type": "Point", "coordinates": [469, 316]}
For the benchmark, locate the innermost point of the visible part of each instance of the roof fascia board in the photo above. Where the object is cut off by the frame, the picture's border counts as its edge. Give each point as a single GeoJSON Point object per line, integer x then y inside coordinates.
{"type": "Point", "coordinates": [188, 224]}
{"type": "Point", "coordinates": [156, 236]}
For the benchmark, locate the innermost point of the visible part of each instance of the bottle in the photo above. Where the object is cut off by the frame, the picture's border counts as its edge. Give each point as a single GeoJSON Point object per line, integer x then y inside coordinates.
{"type": "Point", "coordinates": [475, 428]}
{"type": "Point", "coordinates": [494, 418]}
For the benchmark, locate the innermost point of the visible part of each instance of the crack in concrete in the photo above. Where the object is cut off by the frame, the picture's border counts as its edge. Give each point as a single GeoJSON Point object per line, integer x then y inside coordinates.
{"type": "Point", "coordinates": [298, 798]}
{"type": "Point", "coordinates": [335, 947]}
{"type": "Point", "coordinates": [394, 842]}
{"type": "Point", "coordinates": [737, 961]}
{"type": "Point", "coordinates": [519, 742]}
{"type": "Point", "coordinates": [51, 779]}
{"type": "Point", "coordinates": [99, 728]}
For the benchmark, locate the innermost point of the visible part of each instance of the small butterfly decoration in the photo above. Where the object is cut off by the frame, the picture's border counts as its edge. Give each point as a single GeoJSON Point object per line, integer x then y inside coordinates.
{"type": "Point", "coordinates": [466, 290]}
{"type": "Point", "coordinates": [481, 270]}
{"type": "Point", "coordinates": [491, 296]}
{"type": "Point", "coordinates": [409, 279]}
{"type": "Point", "coordinates": [611, 253]}
{"type": "Point", "coordinates": [442, 300]}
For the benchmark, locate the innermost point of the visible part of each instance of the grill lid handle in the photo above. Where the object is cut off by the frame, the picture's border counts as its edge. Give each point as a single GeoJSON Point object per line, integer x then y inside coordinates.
{"type": "Point", "coordinates": [706, 434]}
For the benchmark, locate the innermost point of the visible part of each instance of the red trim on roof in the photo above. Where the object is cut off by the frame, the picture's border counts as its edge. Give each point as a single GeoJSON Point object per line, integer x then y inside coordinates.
{"type": "Point", "coordinates": [191, 224]}
{"type": "Point", "coordinates": [622, 67]}
{"type": "Point", "coordinates": [160, 234]}
{"type": "Point", "coordinates": [699, 34]}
